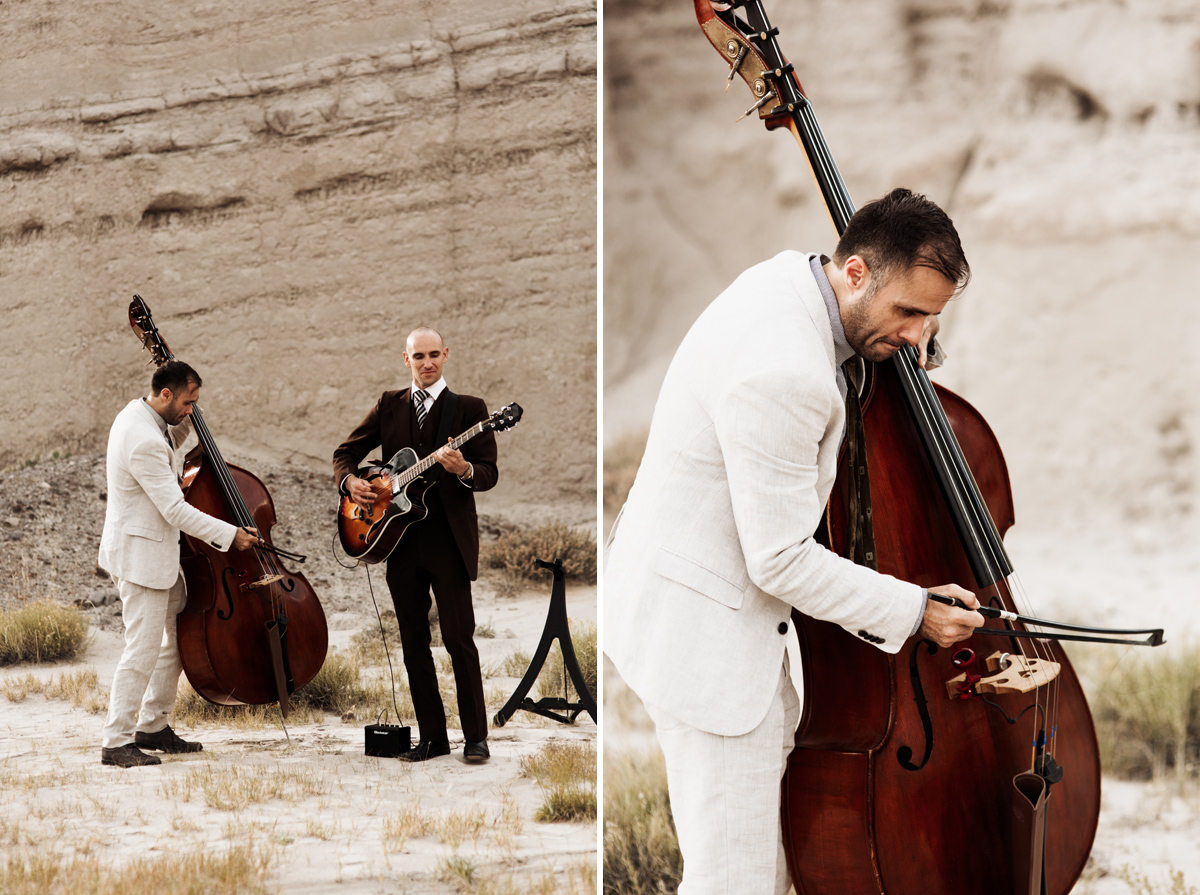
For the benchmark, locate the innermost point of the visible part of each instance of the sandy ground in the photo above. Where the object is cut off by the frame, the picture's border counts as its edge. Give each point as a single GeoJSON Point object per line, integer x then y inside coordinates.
{"type": "Point", "coordinates": [332, 825]}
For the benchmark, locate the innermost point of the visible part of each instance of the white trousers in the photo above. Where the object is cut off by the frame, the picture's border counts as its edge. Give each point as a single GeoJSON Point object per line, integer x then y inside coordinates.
{"type": "Point", "coordinates": [725, 794]}
{"type": "Point", "coordinates": [144, 684]}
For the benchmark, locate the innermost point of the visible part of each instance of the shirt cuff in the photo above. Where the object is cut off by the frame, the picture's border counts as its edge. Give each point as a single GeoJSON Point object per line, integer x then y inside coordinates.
{"type": "Point", "coordinates": [921, 614]}
{"type": "Point", "coordinates": [468, 482]}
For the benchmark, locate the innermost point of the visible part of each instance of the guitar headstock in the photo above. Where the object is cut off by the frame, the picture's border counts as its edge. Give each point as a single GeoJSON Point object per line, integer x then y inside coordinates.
{"type": "Point", "coordinates": [748, 46]}
{"type": "Point", "coordinates": [147, 332]}
{"type": "Point", "coordinates": [504, 418]}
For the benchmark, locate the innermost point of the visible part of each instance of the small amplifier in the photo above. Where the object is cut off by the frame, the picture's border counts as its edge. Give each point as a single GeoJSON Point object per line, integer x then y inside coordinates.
{"type": "Point", "coordinates": [387, 740]}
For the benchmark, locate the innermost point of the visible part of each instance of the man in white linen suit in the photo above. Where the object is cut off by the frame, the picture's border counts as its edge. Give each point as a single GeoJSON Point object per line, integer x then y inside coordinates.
{"type": "Point", "coordinates": [714, 545]}
{"type": "Point", "coordinates": [140, 549]}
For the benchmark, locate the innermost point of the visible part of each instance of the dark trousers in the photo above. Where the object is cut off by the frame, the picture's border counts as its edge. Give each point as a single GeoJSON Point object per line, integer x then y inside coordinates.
{"type": "Point", "coordinates": [428, 557]}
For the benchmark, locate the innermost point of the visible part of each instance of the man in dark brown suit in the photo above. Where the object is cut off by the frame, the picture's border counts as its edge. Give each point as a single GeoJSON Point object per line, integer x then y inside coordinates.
{"type": "Point", "coordinates": [442, 550]}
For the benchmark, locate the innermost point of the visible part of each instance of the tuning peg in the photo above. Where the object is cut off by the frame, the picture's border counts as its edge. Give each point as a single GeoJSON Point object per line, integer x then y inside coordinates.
{"type": "Point", "coordinates": [769, 95]}
{"type": "Point", "coordinates": [734, 66]}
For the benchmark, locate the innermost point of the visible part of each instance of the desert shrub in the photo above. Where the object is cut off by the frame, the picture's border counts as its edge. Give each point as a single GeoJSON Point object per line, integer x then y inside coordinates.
{"type": "Point", "coordinates": [566, 772]}
{"type": "Point", "coordinates": [1147, 712]}
{"type": "Point", "coordinates": [337, 686]}
{"type": "Point", "coordinates": [514, 553]}
{"type": "Point", "coordinates": [621, 461]}
{"type": "Point", "coordinates": [641, 851]}
{"type": "Point", "coordinates": [41, 632]}
{"type": "Point", "coordinates": [193, 710]}
{"type": "Point", "coordinates": [554, 680]}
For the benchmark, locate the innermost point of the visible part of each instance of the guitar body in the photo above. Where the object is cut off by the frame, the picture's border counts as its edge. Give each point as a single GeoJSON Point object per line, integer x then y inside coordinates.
{"type": "Point", "coordinates": [370, 537]}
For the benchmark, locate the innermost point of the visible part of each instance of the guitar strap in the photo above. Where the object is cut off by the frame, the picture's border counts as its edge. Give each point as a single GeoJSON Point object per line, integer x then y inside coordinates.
{"type": "Point", "coordinates": [447, 420]}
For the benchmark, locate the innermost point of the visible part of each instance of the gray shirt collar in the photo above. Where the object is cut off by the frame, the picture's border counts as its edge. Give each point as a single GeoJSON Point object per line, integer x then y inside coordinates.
{"type": "Point", "coordinates": [154, 415]}
{"type": "Point", "coordinates": [842, 351]}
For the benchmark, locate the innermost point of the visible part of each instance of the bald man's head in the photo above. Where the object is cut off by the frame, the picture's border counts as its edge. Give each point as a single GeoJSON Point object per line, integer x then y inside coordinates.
{"type": "Point", "coordinates": [424, 354]}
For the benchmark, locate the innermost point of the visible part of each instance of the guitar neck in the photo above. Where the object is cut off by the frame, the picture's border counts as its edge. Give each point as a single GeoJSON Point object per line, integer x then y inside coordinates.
{"type": "Point", "coordinates": [400, 481]}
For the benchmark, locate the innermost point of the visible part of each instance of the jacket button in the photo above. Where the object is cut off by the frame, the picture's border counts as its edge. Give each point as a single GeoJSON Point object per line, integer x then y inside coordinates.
{"type": "Point", "coordinates": [864, 635]}
{"type": "Point", "coordinates": [783, 627]}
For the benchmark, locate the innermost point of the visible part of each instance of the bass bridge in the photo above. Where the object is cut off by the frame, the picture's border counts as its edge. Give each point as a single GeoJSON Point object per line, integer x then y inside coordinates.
{"type": "Point", "coordinates": [1007, 673]}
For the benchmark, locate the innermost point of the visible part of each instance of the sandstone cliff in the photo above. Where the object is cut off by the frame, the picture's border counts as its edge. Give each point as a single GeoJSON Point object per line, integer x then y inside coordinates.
{"type": "Point", "coordinates": [292, 188]}
{"type": "Point", "coordinates": [1061, 136]}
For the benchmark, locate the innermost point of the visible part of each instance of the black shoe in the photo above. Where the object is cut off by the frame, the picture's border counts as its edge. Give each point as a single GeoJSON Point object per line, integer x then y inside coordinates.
{"type": "Point", "coordinates": [476, 751]}
{"type": "Point", "coordinates": [425, 750]}
{"type": "Point", "coordinates": [127, 756]}
{"type": "Point", "coordinates": [166, 740]}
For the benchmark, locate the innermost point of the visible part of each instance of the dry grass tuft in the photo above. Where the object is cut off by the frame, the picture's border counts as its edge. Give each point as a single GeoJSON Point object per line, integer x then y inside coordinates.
{"type": "Point", "coordinates": [367, 644]}
{"type": "Point", "coordinates": [577, 880]}
{"type": "Point", "coordinates": [456, 826]}
{"type": "Point", "coordinates": [566, 772]}
{"type": "Point", "coordinates": [233, 788]}
{"type": "Point", "coordinates": [516, 663]}
{"type": "Point", "coordinates": [409, 823]}
{"type": "Point", "coordinates": [1147, 711]}
{"type": "Point", "coordinates": [554, 680]}
{"type": "Point", "coordinates": [641, 852]}
{"type": "Point", "coordinates": [17, 689]}
{"type": "Point", "coordinates": [514, 553]}
{"type": "Point", "coordinates": [81, 688]}
{"type": "Point", "coordinates": [1141, 884]}
{"type": "Point", "coordinates": [241, 870]}
{"type": "Point", "coordinates": [41, 632]}
{"type": "Point", "coordinates": [193, 710]}
{"type": "Point", "coordinates": [339, 688]}
{"type": "Point", "coordinates": [458, 870]}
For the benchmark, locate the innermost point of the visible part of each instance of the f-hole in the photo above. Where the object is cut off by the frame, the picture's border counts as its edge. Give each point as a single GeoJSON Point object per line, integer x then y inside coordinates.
{"type": "Point", "coordinates": [905, 754]}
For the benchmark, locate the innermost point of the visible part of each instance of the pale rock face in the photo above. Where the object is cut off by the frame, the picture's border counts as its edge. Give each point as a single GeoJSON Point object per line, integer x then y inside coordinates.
{"type": "Point", "coordinates": [1062, 138]}
{"type": "Point", "coordinates": [292, 188]}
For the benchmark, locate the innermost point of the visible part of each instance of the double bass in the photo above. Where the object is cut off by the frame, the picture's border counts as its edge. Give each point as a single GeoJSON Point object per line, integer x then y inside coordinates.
{"type": "Point", "coordinates": [938, 772]}
{"type": "Point", "coordinates": [251, 632]}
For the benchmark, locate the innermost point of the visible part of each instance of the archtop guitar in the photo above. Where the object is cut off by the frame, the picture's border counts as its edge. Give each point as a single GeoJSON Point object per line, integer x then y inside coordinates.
{"type": "Point", "coordinates": [370, 536]}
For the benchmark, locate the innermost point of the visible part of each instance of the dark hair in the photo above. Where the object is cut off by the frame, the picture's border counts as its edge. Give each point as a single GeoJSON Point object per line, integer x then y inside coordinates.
{"type": "Point", "coordinates": [901, 231]}
{"type": "Point", "coordinates": [175, 375]}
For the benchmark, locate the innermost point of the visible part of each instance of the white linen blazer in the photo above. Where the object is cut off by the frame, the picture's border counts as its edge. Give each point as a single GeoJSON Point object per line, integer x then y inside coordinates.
{"type": "Point", "coordinates": [146, 509]}
{"type": "Point", "coordinates": [714, 544]}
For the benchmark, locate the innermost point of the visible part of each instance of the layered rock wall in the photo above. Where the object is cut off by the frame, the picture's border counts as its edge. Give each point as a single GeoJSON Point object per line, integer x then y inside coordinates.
{"type": "Point", "coordinates": [1061, 136]}
{"type": "Point", "coordinates": [292, 188]}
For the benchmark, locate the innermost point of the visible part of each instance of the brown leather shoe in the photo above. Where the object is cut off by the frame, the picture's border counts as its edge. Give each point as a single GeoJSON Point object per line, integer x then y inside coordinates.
{"type": "Point", "coordinates": [166, 740]}
{"type": "Point", "coordinates": [127, 756]}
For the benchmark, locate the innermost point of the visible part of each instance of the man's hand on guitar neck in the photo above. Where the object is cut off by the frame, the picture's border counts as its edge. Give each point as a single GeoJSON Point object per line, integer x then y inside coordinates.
{"type": "Point", "coordinates": [360, 492]}
{"type": "Point", "coordinates": [452, 461]}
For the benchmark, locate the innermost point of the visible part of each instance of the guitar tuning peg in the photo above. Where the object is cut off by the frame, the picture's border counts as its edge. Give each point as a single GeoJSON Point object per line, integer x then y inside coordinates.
{"type": "Point", "coordinates": [735, 65]}
{"type": "Point", "coordinates": [769, 95]}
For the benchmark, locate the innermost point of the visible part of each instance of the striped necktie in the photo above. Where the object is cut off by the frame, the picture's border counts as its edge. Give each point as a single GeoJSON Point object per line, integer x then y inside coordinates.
{"type": "Point", "coordinates": [419, 397]}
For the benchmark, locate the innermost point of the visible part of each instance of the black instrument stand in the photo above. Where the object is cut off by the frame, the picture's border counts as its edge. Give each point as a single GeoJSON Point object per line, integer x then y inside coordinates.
{"type": "Point", "coordinates": [556, 627]}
